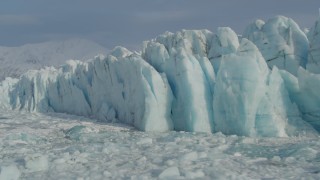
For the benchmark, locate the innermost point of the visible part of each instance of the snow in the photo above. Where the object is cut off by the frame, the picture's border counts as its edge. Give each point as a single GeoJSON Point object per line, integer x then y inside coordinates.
{"type": "Point", "coordinates": [15, 61]}
{"type": "Point", "coordinates": [112, 151]}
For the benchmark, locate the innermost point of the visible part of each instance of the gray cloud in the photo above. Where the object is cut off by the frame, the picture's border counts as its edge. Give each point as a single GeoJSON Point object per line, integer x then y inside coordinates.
{"type": "Point", "coordinates": [160, 16]}
{"type": "Point", "coordinates": [9, 19]}
{"type": "Point", "coordinates": [128, 23]}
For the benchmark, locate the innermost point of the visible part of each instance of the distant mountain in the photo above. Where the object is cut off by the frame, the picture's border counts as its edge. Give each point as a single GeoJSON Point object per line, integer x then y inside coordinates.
{"type": "Point", "coordinates": [15, 61]}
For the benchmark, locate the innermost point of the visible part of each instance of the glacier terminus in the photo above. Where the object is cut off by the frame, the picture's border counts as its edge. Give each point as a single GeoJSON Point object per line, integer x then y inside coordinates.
{"type": "Point", "coordinates": [262, 83]}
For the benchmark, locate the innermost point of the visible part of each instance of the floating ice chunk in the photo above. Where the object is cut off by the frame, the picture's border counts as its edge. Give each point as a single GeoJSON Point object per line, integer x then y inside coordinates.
{"type": "Point", "coordinates": [290, 160]}
{"type": "Point", "coordinates": [198, 174]}
{"type": "Point", "coordinates": [107, 173]}
{"type": "Point", "coordinates": [36, 162]}
{"type": "Point", "coordinates": [170, 162]}
{"type": "Point", "coordinates": [276, 159]}
{"type": "Point", "coordinates": [281, 42]}
{"type": "Point", "coordinates": [191, 156]}
{"type": "Point", "coordinates": [10, 172]}
{"type": "Point", "coordinates": [171, 172]}
{"type": "Point", "coordinates": [145, 141]}
{"type": "Point", "coordinates": [75, 132]}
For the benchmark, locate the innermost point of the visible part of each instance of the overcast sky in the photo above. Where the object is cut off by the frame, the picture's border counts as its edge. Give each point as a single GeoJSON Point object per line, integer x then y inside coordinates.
{"type": "Point", "coordinates": [128, 23]}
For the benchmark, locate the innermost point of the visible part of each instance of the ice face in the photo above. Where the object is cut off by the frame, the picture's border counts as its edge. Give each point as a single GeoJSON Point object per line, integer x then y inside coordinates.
{"type": "Point", "coordinates": [281, 42]}
{"type": "Point", "coordinates": [182, 57]}
{"type": "Point", "coordinates": [122, 87]}
{"type": "Point", "coordinates": [249, 100]}
{"type": "Point", "coordinates": [304, 91]}
{"type": "Point", "coordinates": [192, 80]}
{"type": "Point", "coordinates": [238, 92]}
{"type": "Point", "coordinates": [314, 48]}
{"type": "Point", "coordinates": [224, 42]}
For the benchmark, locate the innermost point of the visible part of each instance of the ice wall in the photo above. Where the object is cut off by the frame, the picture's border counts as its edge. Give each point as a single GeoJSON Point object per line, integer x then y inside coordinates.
{"type": "Point", "coordinates": [191, 80]}
{"type": "Point", "coordinates": [121, 87]}
{"type": "Point", "coordinates": [314, 48]}
{"type": "Point", "coordinates": [304, 91]}
{"type": "Point", "coordinates": [224, 42]}
{"type": "Point", "coordinates": [183, 58]}
{"type": "Point", "coordinates": [281, 42]}
{"type": "Point", "coordinates": [249, 99]}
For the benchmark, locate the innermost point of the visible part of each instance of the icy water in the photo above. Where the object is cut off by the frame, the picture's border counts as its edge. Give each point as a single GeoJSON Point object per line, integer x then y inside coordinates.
{"type": "Point", "coordinates": [58, 146]}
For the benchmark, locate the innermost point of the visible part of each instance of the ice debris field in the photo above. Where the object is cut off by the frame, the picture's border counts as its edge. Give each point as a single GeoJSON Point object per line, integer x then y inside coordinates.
{"type": "Point", "coordinates": [214, 105]}
{"type": "Point", "coordinates": [60, 146]}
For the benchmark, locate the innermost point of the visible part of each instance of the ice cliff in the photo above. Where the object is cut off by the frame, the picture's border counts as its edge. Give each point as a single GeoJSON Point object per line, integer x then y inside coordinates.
{"type": "Point", "coordinates": [281, 42]}
{"type": "Point", "coordinates": [191, 80]}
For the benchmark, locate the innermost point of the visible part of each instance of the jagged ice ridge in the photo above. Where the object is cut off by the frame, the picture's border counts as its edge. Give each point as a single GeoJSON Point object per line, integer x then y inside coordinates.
{"type": "Point", "coordinates": [264, 83]}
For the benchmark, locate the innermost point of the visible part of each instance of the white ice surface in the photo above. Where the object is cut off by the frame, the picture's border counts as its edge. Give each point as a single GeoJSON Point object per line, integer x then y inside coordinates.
{"type": "Point", "coordinates": [59, 146]}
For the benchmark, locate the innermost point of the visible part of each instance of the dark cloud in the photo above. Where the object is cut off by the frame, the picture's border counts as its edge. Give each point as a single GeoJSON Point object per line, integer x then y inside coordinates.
{"type": "Point", "coordinates": [128, 23]}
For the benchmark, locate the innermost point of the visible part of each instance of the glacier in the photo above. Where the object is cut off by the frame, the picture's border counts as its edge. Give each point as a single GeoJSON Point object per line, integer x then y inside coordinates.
{"type": "Point", "coordinates": [121, 87]}
{"type": "Point", "coordinates": [281, 42]}
{"type": "Point", "coordinates": [260, 84]}
{"type": "Point", "coordinates": [314, 48]}
{"type": "Point", "coordinates": [14, 61]}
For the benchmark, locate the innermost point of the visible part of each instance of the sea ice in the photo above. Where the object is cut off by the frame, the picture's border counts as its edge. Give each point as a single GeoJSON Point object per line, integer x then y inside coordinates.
{"type": "Point", "coordinates": [10, 172]}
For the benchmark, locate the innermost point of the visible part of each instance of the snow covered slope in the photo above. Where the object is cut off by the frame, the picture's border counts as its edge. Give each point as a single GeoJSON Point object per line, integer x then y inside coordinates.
{"type": "Point", "coordinates": [15, 61]}
{"type": "Point", "coordinates": [191, 80]}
